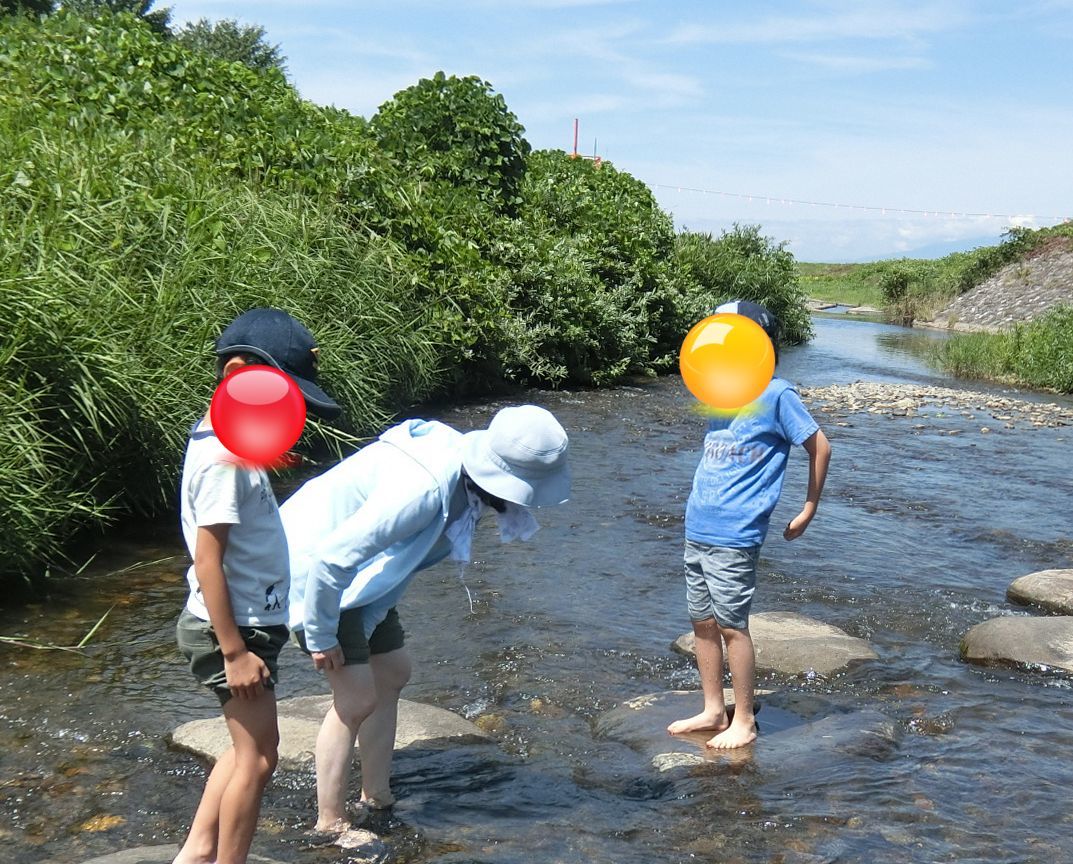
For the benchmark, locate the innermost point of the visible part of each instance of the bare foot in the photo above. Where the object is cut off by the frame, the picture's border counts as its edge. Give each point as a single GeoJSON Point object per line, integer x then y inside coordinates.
{"type": "Point", "coordinates": [700, 723]}
{"type": "Point", "coordinates": [737, 735]}
{"type": "Point", "coordinates": [180, 859]}
{"type": "Point", "coordinates": [335, 826]}
{"type": "Point", "coordinates": [378, 802]}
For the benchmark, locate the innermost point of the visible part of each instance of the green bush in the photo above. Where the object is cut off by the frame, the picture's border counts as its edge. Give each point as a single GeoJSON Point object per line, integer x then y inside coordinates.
{"type": "Point", "coordinates": [459, 131]}
{"type": "Point", "coordinates": [741, 264]}
{"type": "Point", "coordinates": [590, 266]}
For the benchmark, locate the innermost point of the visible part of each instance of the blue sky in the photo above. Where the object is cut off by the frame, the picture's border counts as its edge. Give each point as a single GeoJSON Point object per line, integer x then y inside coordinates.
{"type": "Point", "coordinates": [949, 107]}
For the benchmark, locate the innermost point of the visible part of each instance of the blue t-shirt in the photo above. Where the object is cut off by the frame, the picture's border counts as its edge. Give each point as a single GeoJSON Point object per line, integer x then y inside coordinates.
{"type": "Point", "coordinates": [739, 478]}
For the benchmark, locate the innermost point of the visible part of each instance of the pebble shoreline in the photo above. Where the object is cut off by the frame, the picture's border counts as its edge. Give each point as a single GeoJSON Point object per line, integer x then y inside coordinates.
{"type": "Point", "coordinates": [908, 400]}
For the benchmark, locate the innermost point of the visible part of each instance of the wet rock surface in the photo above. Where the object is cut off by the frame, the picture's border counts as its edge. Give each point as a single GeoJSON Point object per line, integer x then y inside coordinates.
{"type": "Point", "coordinates": [909, 400]}
{"type": "Point", "coordinates": [786, 743]}
{"type": "Point", "coordinates": [300, 719]}
{"type": "Point", "coordinates": [163, 854]}
{"type": "Point", "coordinates": [1050, 590]}
{"type": "Point", "coordinates": [1023, 641]}
{"type": "Point", "coordinates": [795, 644]}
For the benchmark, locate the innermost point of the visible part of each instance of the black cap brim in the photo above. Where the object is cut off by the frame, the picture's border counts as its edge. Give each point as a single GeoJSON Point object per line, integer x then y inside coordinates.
{"type": "Point", "coordinates": [317, 401]}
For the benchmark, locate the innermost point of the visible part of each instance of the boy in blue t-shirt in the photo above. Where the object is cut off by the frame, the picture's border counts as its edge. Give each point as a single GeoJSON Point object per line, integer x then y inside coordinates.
{"type": "Point", "coordinates": [735, 489]}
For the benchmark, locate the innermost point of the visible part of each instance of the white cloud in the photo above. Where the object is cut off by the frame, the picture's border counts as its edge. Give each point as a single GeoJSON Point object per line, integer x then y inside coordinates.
{"type": "Point", "coordinates": [859, 64]}
{"type": "Point", "coordinates": [829, 22]}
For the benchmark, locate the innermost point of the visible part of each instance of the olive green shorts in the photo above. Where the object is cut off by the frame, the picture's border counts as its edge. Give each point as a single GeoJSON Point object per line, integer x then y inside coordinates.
{"type": "Point", "coordinates": [198, 643]}
{"type": "Point", "coordinates": [388, 636]}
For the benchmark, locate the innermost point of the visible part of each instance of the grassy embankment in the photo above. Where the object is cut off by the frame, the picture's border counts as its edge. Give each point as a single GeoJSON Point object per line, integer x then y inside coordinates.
{"type": "Point", "coordinates": [1037, 354]}
{"type": "Point", "coordinates": [151, 192]}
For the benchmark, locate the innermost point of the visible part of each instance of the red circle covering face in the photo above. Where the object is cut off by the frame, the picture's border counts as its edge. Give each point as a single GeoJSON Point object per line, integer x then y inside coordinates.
{"type": "Point", "coordinates": [258, 413]}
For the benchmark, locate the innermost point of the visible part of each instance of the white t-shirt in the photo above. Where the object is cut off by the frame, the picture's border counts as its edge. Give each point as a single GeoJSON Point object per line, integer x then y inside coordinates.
{"type": "Point", "coordinates": [216, 491]}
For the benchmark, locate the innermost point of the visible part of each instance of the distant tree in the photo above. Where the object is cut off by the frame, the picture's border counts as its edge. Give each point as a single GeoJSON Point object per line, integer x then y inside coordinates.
{"type": "Point", "coordinates": [229, 40]}
{"type": "Point", "coordinates": [38, 7]}
{"type": "Point", "coordinates": [158, 19]}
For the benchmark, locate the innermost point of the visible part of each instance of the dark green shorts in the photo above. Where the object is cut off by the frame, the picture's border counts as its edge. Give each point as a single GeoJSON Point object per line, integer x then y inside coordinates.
{"type": "Point", "coordinates": [198, 643]}
{"type": "Point", "coordinates": [388, 636]}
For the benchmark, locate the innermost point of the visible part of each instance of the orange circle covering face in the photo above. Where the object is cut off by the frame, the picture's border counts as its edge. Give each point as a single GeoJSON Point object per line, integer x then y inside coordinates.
{"type": "Point", "coordinates": [727, 361]}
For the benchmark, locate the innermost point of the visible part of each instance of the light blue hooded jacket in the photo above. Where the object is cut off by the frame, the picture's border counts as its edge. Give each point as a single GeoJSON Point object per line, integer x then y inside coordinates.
{"type": "Point", "coordinates": [359, 532]}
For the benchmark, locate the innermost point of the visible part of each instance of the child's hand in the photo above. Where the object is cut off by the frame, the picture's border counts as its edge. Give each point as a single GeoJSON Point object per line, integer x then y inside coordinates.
{"type": "Point", "coordinates": [246, 675]}
{"type": "Point", "coordinates": [328, 660]}
{"type": "Point", "coordinates": [796, 526]}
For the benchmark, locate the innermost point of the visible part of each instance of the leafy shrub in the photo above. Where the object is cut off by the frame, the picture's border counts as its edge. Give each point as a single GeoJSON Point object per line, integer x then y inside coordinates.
{"type": "Point", "coordinates": [589, 262]}
{"type": "Point", "coordinates": [741, 264]}
{"type": "Point", "coordinates": [456, 130]}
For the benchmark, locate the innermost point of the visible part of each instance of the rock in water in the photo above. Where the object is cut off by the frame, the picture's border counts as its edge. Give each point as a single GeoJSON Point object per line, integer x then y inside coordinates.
{"type": "Point", "coordinates": [787, 744]}
{"type": "Point", "coordinates": [300, 719]}
{"type": "Point", "coordinates": [795, 644]}
{"type": "Point", "coordinates": [157, 855]}
{"type": "Point", "coordinates": [1023, 641]}
{"type": "Point", "coordinates": [1050, 590]}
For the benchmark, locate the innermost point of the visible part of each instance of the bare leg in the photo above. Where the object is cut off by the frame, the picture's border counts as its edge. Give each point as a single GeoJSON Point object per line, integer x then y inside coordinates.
{"type": "Point", "coordinates": [709, 651]}
{"type": "Point", "coordinates": [255, 744]}
{"type": "Point", "coordinates": [376, 737]}
{"type": "Point", "coordinates": [226, 817]}
{"type": "Point", "coordinates": [200, 845]}
{"type": "Point", "coordinates": [354, 698]}
{"type": "Point", "coordinates": [742, 660]}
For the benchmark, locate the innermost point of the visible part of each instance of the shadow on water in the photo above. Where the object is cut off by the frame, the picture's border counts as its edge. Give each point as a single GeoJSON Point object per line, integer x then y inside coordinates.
{"type": "Point", "coordinates": [918, 536]}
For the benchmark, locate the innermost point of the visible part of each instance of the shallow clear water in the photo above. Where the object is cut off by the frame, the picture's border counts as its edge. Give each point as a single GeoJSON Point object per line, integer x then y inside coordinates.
{"type": "Point", "coordinates": [917, 538]}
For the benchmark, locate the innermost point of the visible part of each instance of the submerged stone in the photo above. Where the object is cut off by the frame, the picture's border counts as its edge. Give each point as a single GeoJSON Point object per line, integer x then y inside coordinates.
{"type": "Point", "coordinates": [787, 743]}
{"type": "Point", "coordinates": [300, 719]}
{"type": "Point", "coordinates": [163, 854]}
{"type": "Point", "coordinates": [1050, 590]}
{"type": "Point", "coordinates": [795, 644]}
{"type": "Point", "coordinates": [1024, 641]}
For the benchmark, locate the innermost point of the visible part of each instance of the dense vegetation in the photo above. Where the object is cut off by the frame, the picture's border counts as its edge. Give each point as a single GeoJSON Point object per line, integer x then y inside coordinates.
{"type": "Point", "coordinates": [153, 190]}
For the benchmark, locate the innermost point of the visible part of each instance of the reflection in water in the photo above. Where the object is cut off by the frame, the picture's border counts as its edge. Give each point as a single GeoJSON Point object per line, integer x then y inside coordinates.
{"type": "Point", "coordinates": [917, 537]}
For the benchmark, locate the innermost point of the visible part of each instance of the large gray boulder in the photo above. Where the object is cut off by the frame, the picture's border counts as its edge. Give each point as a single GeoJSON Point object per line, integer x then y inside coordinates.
{"type": "Point", "coordinates": [795, 644]}
{"type": "Point", "coordinates": [164, 854]}
{"type": "Point", "coordinates": [300, 719]}
{"type": "Point", "coordinates": [787, 743]}
{"type": "Point", "coordinates": [1022, 641]}
{"type": "Point", "coordinates": [1050, 590]}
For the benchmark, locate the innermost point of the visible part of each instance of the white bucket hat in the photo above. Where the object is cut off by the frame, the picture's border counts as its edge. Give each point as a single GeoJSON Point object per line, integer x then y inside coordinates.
{"type": "Point", "coordinates": [520, 457]}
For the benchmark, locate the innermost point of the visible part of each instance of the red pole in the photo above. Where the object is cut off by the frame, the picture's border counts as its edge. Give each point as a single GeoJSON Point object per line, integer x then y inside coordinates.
{"type": "Point", "coordinates": [575, 139]}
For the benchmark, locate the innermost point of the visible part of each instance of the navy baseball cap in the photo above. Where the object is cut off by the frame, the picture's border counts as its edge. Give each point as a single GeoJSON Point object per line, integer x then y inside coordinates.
{"type": "Point", "coordinates": [283, 342]}
{"type": "Point", "coordinates": [754, 312]}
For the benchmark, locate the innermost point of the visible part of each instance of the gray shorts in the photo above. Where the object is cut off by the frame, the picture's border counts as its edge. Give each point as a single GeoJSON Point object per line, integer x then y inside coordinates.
{"type": "Point", "coordinates": [387, 636]}
{"type": "Point", "coordinates": [199, 645]}
{"type": "Point", "coordinates": [720, 582]}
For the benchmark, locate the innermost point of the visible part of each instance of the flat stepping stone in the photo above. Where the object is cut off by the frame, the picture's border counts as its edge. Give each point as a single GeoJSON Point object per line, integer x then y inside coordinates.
{"type": "Point", "coordinates": [786, 742]}
{"type": "Point", "coordinates": [795, 644]}
{"type": "Point", "coordinates": [300, 719]}
{"type": "Point", "coordinates": [157, 855]}
{"type": "Point", "coordinates": [1023, 641]}
{"type": "Point", "coordinates": [1050, 590]}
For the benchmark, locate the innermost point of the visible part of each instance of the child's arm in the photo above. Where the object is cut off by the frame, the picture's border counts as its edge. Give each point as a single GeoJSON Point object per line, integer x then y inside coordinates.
{"type": "Point", "coordinates": [245, 672]}
{"type": "Point", "coordinates": [819, 456]}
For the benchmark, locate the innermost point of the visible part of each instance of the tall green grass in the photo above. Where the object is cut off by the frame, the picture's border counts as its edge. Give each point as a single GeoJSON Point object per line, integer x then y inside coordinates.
{"type": "Point", "coordinates": [1037, 354]}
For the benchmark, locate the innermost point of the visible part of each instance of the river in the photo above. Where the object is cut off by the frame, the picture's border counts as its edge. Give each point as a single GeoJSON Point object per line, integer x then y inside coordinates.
{"type": "Point", "coordinates": [917, 537]}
